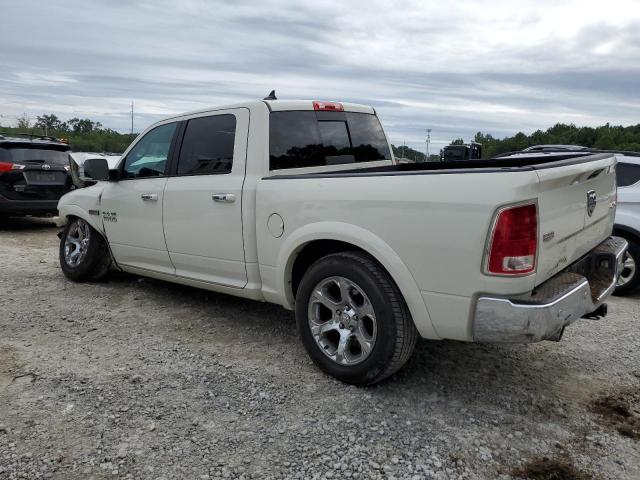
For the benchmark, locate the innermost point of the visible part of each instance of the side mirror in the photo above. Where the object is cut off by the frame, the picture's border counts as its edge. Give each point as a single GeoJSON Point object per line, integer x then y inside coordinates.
{"type": "Point", "coordinates": [96, 169]}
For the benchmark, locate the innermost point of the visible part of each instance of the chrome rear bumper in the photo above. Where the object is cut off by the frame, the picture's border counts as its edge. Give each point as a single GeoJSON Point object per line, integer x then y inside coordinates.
{"type": "Point", "coordinates": [576, 292]}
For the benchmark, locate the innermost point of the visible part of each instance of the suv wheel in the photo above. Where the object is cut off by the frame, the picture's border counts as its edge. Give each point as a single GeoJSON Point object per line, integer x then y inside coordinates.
{"type": "Point", "coordinates": [84, 255]}
{"type": "Point", "coordinates": [630, 277]}
{"type": "Point", "coordinates": [353, 320]}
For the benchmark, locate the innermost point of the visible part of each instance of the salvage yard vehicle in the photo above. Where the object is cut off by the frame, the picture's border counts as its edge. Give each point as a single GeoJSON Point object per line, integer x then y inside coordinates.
{"type": "Point", "coordinates": [33, 174]}
{"type": "Point", "coordinates": [301, 203]}
{"type": "Point", "coordinates": [467, 151]}
{"type": "Point", "coordinates": [627, 223]}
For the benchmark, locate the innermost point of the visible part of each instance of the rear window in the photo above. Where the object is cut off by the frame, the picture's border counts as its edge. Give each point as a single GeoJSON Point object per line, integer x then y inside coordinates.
{"type": "Point", "coordinates": [301, 139]}
{"type": "Point", "coordinates": [627, 174]}
{"type": "Point", "coordinates": [35, 155]}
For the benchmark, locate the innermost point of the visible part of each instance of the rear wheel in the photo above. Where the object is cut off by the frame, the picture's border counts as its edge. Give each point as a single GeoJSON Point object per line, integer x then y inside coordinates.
{"type": "Point", "coordinates": [84, 255]}
{"type": "Point", "coordinates": [353, 320]}
{"type": "Point", "coordinates": [630, 277]}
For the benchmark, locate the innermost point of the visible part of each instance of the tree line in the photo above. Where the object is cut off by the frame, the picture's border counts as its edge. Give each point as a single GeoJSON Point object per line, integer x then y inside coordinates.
{"type": "Point", "coordinates": [605, 137]}
{"type": "Point", "coordinates": [87, 135]}
{"type": "Point", "coordinates": [83, 134]}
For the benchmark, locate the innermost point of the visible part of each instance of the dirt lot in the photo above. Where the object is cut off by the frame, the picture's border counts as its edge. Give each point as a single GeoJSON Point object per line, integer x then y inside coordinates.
{"type": "Point", "coordinates": [137, 378]}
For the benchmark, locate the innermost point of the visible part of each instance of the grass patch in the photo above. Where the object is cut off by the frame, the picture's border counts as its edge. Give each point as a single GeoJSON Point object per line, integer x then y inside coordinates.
{"type": "Point", "coordinates": [545, 468]}
{"type": "Point", "coordinates": [620, 410]}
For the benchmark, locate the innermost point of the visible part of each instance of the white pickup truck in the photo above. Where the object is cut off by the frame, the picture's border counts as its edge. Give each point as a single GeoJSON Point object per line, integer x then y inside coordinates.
{"type": "Point", "coordinates": [301, 203]}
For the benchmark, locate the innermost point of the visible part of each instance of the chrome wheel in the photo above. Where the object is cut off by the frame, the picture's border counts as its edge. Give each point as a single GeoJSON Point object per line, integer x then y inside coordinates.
{"type": "Point", "coordinates": [628, 270]}
{"type": "Point", "coordinates": [342, 320]}
{"type": "Point", "coordinates": [76, 242]}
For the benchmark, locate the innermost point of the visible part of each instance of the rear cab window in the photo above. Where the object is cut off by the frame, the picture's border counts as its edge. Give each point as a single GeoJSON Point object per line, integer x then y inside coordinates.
{"type": "Point", "coordinates": [307, 138]}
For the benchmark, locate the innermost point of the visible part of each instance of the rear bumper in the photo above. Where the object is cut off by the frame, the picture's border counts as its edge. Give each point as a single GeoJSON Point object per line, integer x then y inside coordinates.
{"type": "Point", "coordinates": [27, 207]}
{"type": "Point", "coordinates": [577, 291]}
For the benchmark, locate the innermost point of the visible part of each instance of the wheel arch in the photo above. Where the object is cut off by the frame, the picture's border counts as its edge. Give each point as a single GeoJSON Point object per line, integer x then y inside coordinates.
{"type": "Point", "coordinates": [627, 232]}
{"type": "Point", "coordinates": [310, 243]}
{"type": "Point", "coordinates": [67, 211]}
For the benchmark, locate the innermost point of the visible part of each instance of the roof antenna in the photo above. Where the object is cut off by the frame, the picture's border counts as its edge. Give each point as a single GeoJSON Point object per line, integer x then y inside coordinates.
{"type": "Point", "coordinates": [271, 96]}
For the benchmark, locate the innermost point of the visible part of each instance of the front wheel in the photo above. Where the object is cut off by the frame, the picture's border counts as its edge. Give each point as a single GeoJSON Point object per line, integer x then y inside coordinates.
{"type": "Point", "coordinates": [629, 279]}
{"type": "Point", "coordinates": [84, 255]}
{"type": "Point", "coordinates": [353, 320]}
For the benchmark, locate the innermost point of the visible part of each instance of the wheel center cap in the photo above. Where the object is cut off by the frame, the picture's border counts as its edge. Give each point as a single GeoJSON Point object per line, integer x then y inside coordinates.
{"type": "Point", "coordinates": [347, 316]}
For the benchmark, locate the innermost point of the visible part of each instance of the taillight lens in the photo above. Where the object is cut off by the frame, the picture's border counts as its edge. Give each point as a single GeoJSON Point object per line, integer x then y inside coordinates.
{"type": "Point", "coordinates": [514, 241]}
{"type": "Point", "coordinates": [329, 106]}
{"type": "Point", "coordinates": [8, 166]}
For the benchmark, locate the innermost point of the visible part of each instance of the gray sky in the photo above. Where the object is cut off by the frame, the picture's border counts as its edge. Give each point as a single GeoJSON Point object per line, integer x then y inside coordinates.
{"type": "Point", "coordinates": [456, 67]}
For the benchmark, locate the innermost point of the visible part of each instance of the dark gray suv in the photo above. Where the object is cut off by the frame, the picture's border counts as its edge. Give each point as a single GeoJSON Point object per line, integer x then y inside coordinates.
{"type": "Point", "coordinates": [33, 175]}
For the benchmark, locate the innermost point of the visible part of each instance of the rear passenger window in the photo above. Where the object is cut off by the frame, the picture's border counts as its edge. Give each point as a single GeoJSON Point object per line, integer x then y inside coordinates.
{"type": "Point", "coordinates": [627, 174]}
{"type": "Point", "coordinates": [207, 146]}
{"type": "Point", "coordinates": [300, 139]}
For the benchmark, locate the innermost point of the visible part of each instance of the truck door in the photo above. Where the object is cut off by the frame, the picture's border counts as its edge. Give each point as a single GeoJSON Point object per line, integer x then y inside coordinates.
{"type": "Point", "coordinates": [203, 199]}
{"type": "Point", "coordinates": [131, 208]}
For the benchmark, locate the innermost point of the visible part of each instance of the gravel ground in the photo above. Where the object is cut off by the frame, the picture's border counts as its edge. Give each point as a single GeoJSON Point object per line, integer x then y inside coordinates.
{"type": "Point", "coordinates": [137, 378]}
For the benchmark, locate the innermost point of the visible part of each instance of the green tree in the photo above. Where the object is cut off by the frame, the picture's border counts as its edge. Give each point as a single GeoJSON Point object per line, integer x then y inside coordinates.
{"type": "Point", "coordinates": [23, 121]}
{"type": "Point", "coordinates": [49, 123]}
{"type": "Point", "coordinates": [83, 125]}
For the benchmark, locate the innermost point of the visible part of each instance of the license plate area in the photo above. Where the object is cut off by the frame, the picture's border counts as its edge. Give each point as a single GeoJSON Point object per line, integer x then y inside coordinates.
{"type": "Point", "coordinates": [44, 178]}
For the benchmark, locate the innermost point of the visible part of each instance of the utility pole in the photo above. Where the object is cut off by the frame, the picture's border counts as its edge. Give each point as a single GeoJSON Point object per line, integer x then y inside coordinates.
{"type": "Point", "coordinates": [428, 141]}
{"type": "Point", "coordinates": [131, 117]}
{"type": "Point", "coordinates": [403, 148]}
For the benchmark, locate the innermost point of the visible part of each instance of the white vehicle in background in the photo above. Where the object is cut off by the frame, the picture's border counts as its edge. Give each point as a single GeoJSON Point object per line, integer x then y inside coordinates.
{"type": "Point", "coordinates": [76, 164]}
{"type": "Point", "coordinates": [301, 203]}
{"type": "Point", "coordinates": [627, 223]}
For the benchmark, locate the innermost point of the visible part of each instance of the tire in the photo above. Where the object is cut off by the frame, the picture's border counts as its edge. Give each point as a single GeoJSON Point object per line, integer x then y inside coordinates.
{"type": "Point", "coordinates": [630, 278]}
{"type": "Point", "coordinates": [92, 259]}
{"type": "Point", "coordinates": [365, 341]}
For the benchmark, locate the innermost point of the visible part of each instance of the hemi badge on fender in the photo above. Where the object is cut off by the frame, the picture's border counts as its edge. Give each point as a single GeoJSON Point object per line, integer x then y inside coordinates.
{"type": "Point", "coordinates": [548, 236]}
{"type": "Point", "coordinates": [94, 212]}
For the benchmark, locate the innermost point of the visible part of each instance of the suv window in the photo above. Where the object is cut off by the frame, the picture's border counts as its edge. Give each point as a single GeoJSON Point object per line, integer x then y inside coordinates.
{"type": "Point", "coordinates": [21, 153]}
{"type": "Point", "coordinates": [627, 174]}
{"type": "Point", "coordinates": [148, 157]}
{"type": "Point", "coordinates": [207, 146]}
{"type": "Point", "coordinates": [300, 139]}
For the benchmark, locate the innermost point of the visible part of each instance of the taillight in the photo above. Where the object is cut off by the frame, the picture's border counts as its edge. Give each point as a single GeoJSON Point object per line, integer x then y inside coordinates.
{"type": "Point", "coordinates": [514, 241]}
{"type": "Point", "coordinates": [330, 106]}
{"type": "Point", "coordinates": [8, 166]}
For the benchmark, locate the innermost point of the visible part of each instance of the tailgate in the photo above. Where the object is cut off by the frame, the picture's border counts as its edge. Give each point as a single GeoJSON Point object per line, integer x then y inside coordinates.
{"type": "Point", "coordinates": [576, 208]}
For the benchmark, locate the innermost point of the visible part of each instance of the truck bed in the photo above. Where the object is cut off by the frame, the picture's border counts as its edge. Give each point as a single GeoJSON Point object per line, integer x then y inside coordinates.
{"type": "Point", "coordinates": [438, 224]}
{"type": "Point", "coordinates": [535, 162]}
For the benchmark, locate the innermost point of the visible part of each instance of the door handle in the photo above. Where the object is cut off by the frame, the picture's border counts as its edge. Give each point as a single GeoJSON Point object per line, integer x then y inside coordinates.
{"type": "Point", "coordinates": [149, 197]}
{"type": "Point", "coordinates": [224, 197]}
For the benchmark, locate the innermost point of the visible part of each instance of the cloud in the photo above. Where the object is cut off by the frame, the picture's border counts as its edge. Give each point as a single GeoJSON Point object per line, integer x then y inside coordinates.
{"type": "Point", "coordinates": [455, 67]}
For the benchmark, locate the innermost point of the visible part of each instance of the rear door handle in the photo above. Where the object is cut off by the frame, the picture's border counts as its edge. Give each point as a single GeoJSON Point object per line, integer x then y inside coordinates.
{"type": "Point", "coordinates": [224, 197]}
{"type": "Point", "coordinates": [149, 197]}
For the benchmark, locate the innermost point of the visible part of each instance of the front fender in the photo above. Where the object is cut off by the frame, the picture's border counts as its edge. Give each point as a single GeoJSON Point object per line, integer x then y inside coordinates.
{"type": "Point", "coordinates": [368, 242]}
{"type": "Point", "coordinates": [75, 211]}
{"type": "Point", "coordinates": [83, 203]}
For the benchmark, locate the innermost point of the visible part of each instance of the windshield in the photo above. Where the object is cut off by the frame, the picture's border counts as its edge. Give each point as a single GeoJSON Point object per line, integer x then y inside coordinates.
{"type": "Point", "coordinates": [37, 155]}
